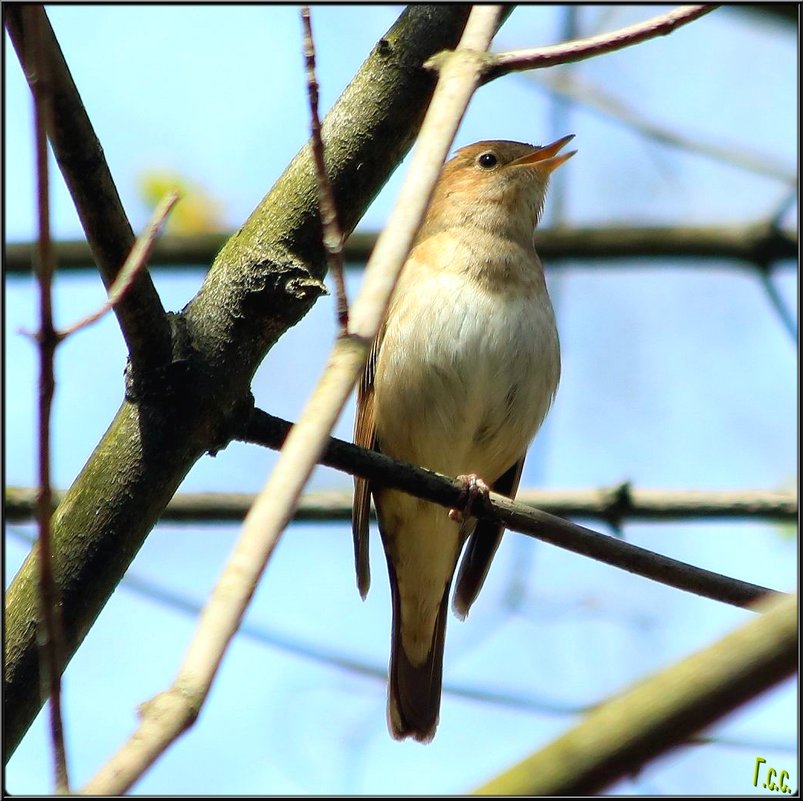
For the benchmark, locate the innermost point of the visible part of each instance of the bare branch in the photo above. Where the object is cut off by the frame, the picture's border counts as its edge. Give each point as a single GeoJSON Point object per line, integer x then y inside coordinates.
{"type": "Point", "coordinates": [195, 250]}
{"type": "Point", "coordinates": [662, 712]}
{"type": "Point", "coordinates": [785, 315]}
{"type": "Point", "coordinates": [610, 505]}
{"type": "Point", "coordinates": [136, 261]}
{"type": "Point", "coordinates": [80, 157]}
{"type": "Point", "coordinates": [49, 625]}
{"type": "Point", "coordinates": [568, 52]}
{"type": "Point", "coordinates": [749, 242]}
{"type": "Point", "coordinates": [783, 208]}
{"type": "Point", "coordinates": [533, 522]}
{"type": "Point", "coordinates": [332, 232]}
{"type": "Point", "coordinates": [595, 97]}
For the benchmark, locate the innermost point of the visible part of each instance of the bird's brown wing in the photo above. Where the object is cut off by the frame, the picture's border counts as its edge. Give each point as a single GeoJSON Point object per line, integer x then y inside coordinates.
{"type": "Point", "coordinates": [482, 545]}
{"type": "Point", "coordinates": [364, 435]}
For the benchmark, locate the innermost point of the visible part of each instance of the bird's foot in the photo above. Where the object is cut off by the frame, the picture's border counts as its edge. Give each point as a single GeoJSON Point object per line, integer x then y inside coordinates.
{"type": "Point", "coordinates": [473, 488]}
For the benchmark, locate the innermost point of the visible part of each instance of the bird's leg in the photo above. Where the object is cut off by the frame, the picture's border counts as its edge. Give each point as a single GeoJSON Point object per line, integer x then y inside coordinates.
{"type": "Point", "coordinates": [473, 488]}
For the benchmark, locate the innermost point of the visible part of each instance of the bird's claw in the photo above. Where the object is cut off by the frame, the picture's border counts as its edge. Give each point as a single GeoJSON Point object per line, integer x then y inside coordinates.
{"type": "Point", "coordinates": [473, 488]}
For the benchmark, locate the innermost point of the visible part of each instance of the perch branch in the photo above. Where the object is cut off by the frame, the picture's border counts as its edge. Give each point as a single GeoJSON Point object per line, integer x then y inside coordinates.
{"type": "Point", "coordinates": [264, 429]}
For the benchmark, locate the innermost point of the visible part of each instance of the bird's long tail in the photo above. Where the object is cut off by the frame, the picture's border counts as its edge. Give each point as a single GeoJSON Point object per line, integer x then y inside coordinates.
{"type": "Point", "coordinates": [414, 690]}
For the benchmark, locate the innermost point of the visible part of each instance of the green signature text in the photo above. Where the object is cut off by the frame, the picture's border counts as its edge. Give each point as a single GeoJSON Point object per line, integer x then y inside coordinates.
{"type": "Point", "coordinates": [774, 780]}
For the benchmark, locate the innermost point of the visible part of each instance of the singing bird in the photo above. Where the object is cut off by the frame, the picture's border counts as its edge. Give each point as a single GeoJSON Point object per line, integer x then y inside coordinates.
{"type": "Point", "coordinates": [459, 380]}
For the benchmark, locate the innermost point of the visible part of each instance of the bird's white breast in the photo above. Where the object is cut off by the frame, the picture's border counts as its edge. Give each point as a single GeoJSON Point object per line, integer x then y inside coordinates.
{"type": "Point", "coordinates": [465, 373]}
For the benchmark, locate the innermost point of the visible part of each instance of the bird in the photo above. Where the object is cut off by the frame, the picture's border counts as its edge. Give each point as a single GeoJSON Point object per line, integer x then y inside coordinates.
{"type": "Point", "coordinates": [459, 379]}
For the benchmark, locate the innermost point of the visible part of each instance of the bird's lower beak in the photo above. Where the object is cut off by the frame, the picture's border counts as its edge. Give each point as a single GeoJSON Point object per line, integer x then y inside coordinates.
{"type": "Point", "coordinates": [546, 158]}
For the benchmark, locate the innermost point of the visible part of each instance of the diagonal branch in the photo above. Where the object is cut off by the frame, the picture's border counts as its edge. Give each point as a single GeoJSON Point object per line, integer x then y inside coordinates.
{"type": "Point", "coordinates": [80, 157]}
{"type": "Point", "coordinates": [662, 712]}
{"type": "Point", "coordinates": [785, 315]}
{"type": "Point", "coordinates": [134, 264]}
{"type": "Point", "coordinates": [568, 52]}
{"type": "Point", "coordinates": [536, 523]}
{"type": "Point", "coordinates": [595, 97]}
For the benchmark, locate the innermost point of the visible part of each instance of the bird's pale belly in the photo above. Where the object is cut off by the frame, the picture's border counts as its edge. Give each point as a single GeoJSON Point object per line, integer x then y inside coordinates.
{"type": "Point", "coordinates": [463, 391]}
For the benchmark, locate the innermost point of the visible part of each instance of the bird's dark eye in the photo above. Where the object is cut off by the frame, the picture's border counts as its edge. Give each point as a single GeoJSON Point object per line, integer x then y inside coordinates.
{"type": "Point", "coordinates": [487, 161]}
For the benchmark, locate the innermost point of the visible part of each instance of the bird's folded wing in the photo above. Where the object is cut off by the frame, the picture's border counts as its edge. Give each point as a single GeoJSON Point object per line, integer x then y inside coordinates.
{"type": "Point", "coordinates": [482, 545]}
{"type": "Point", "coordinates": [365, 436]}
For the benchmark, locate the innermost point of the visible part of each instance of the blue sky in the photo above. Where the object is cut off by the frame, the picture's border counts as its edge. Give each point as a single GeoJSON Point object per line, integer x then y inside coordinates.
{"type": "Point", "coordinates": [674, 376]}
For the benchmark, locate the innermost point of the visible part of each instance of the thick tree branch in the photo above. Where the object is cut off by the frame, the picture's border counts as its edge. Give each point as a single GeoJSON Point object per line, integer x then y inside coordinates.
{"type": "Point", "coordinates": [662, 712]}
{"type": "Point", "coordinates": [80, 157]}
{"type": "Point", "coordinates": [753, 243]}
{"type": "Point", "coordinates": [263, 281]}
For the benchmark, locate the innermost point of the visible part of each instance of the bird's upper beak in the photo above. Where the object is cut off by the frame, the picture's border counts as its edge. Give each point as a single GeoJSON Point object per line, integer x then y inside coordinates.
{"type": "Point", "coordinates": [545, 158]}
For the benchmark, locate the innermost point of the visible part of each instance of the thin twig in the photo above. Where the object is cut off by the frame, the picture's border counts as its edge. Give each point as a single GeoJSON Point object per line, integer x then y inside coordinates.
{"type": "Point", "coordinates": [49, 629]}
{"type": "Point", "coordinates": [332, 232]}
{"type": "Point", "coordinates": [539, 57]}
{"type": "Point", "coordinates": [765, 272]}
{"type": "Point", "coordinates": [169, 714]}
{"type": "Point", "coordinates": [783, 208]}
{"type": "Point", "coordinates": [595, 97]}
{"type": "Point", "coordinates": [80, 157]}
{"type": "Point", "coordinates": [776, 301]}
{"type": "Point", "coordinates": [136, 261]}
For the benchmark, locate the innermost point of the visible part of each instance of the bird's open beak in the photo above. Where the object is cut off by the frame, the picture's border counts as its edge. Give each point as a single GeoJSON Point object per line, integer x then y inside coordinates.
{"type": "Point", "coordinates": [545, 158]}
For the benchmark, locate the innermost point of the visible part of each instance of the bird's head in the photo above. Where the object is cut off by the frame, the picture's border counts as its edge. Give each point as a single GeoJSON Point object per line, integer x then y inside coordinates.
{"type": "Point", "coordinates": [495, 185]}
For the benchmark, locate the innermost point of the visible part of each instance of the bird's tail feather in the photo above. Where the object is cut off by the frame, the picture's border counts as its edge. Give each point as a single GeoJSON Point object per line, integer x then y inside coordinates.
{"type": "Point", "coordinates": [414, 690]}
